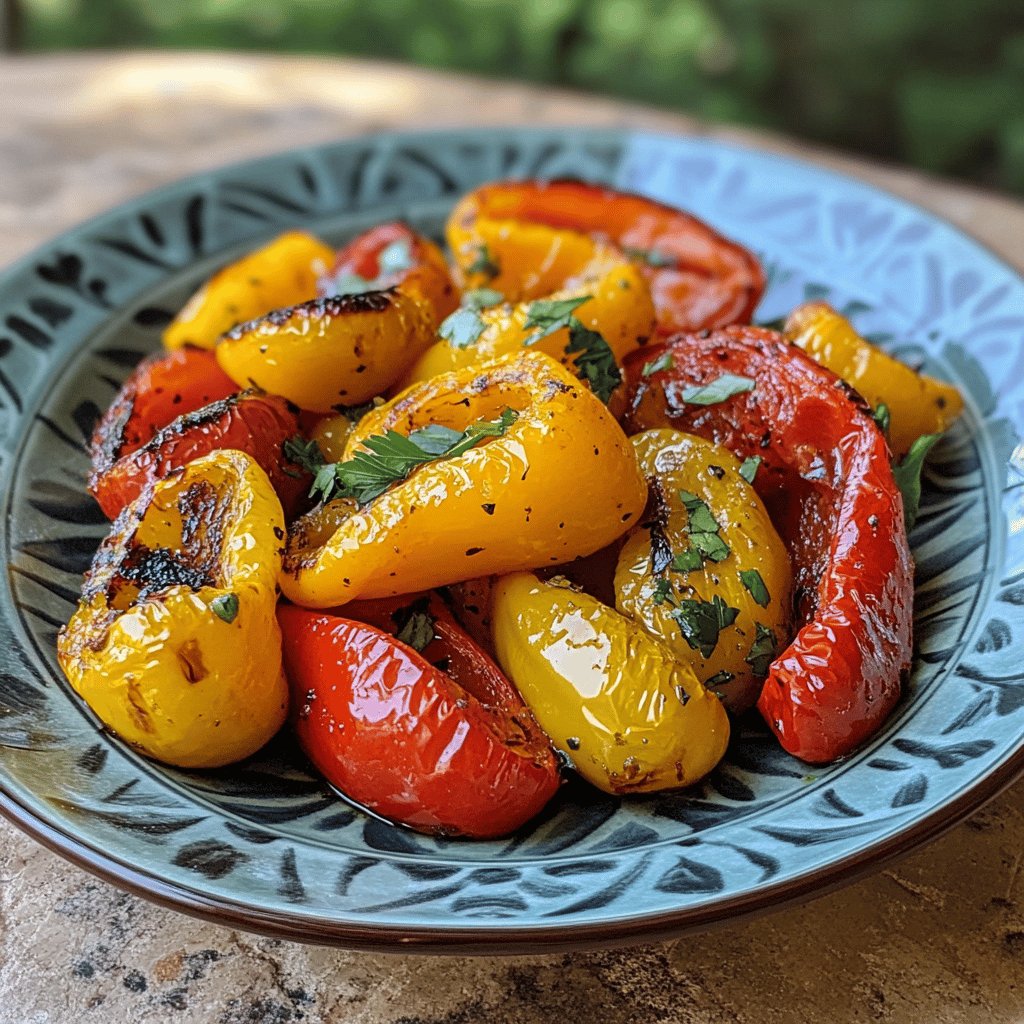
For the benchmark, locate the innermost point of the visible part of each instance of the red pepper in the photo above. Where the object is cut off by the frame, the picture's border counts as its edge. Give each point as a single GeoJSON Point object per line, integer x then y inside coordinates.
{"type": "Point", "coordinates": [161, 389]}
{"type": "Point", "coordinates": [425, 271]}
{"type": "Point", "coordinates": [438, 740]}
{"type": "Point", "coordinates": [253, 423]}
{"type": "Point", "coordinates": [698, 278]}
{"type": "Point", "coordinates": [827, 481]}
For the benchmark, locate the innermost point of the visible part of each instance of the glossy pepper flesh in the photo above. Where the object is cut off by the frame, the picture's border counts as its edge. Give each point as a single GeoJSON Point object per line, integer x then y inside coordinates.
{"type": "Point", "coordinates": [174, 643]}
{"type": "Point", "coordinates": [451, 750]}
{"type": "Point", "coordinates": [698, 278]}
{"type": "Point", "coordinates": [627, 713]}
{"type": "Point", "coordinates": [255, 424]}
{"type": "Point", "coordinates": [560, 481]}
{"type": "Point", "coordinates": [827, 481]}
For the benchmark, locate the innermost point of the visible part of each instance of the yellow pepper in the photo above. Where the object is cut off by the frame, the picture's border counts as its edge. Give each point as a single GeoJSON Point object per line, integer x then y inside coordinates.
{"type": "Point", "coordinates": [700, 502]}
{"type": "Point", "coordinates": [331, 435]}
{"type": "Point", "coordinates": [560, 481]}
{"type": "Point", "coordinates": [342, 350]}
{"type": "Point", "coordinates": [283, 273]}
{"type": "Point", "coordinates": [618, 306]}
{"type": "Point", "coordinates": [918, 404]}
{"type": "Point", "coordinates": [175, 643]}
{"type": "Point", "coordinates": [628, 713]}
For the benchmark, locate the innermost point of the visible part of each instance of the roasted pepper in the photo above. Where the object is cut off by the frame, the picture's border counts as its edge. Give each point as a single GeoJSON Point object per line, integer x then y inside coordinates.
{"type": "Point", "coordinates": [283, 273]}
{"type": "Point", "coordinates": [698, 279]}
{"type": "Point", "coordinates": [390, 255]}
{"type": "Point", "coordinates": [556, 479]}
{"type": "Point", "coordinates": [627, 713]}
{"type": "Point", "coordinates": [917, 404]}
{"type": "Point", "coordinates": [827, 482]}
{"type": "Point", "coordinates": [342, 350]}
{"type": "Point", "coordinates": [175, 644]}
{"type": "Point", "coordinates": [255, 424]}
{"type": "Point", "coordinates": [451, 750]}
{"type": "Point", "coordinates": [611, 299]}
{"type": "Point", "coordinates": [160, 389]}
{"type": "Point", "coordinates": [706, 572]}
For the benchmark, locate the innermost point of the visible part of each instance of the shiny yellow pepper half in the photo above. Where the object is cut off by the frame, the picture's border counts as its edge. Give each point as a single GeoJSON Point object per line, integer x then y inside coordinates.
{"type": "Point", "coordinates": [630, 716]}
{"type": "Point", "coordinates": [175, 643]}
{"type": "Point", "coordinates": [282, 273]}
{"type": "Point", "coordinates": [618, 306]}
{"type": "Point", "coordinates": [561, 481]}
{"type": "Point", "coordinates": [751, 583]}
{"type": "Point", "coordinates": [918, 404]}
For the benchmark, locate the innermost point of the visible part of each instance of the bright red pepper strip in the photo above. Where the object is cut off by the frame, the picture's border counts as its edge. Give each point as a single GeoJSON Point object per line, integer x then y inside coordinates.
{"type": "Point", "coordinates": [827, 481]}
{"type": "Point", "coordinates": [450, 750]}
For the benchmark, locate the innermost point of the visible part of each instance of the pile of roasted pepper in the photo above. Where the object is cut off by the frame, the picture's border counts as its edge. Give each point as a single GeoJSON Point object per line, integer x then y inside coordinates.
{"type": "Point", "coordinates": [548, 503]}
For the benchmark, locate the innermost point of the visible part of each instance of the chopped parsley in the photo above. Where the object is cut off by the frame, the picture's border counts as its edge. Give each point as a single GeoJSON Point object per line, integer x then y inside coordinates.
{"type": "Point", "coordinates": [652, 257]}
{"type": "Point", "coordinates": [881, 418]}
{"type": "Point", "coordinates": [663, 592]}
{"type": "Point", "coordinates": [305, 454]}
{"type": "Point", "coordinates": [700, 622]}
{"type": "Point", "coordinates": [595, 362]}
{"type": "Point", "coordinates": [415, 625]}
{"type": "Point", "coordinates": [356, 412]}
{"type": "Point", "coordinates": [225, 606]}
{"type": "Point", "coordinates": [703, 528]}
{"type": "Point", "coordinates": [762, 650]}
{"type": "Point", "coordinates": [484, 263]}
{"type": "Point", "coordinates": [717, 390]}
{"type": "Point", "coordinates": [481, 298]}
{"type": "Point", "coordinates": [907, 475]}
{"type": "Point", "coordinates": [462, 328]}
{"type": "Point", "coordinates": [687, 561]}
{"type": "Point", "coordinates": [749, 467]}
{"type": "Point", "coordinates": [662, 362]}
{"type": "Point", "coordinates": [394, 258]}
{"type": "Point", "coordinates": [389, 458]}
{"type": "Point", "coordinates": [751, 579]}
{"type": "Point", "coordinates": [718, 679]}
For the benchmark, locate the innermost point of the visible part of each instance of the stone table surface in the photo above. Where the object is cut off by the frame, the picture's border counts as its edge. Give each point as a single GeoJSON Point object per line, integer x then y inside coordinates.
{"type": "Point", "coordinates": [937, 938]}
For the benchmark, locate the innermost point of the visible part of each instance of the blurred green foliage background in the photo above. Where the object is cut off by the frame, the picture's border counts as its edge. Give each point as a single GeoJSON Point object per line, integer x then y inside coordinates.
{"type": "Point", "coordinates": [936, 83]}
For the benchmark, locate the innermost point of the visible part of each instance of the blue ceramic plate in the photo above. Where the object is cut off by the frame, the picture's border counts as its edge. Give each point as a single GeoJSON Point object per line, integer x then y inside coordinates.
{"type": "Point", "coordinates": [265, 845]}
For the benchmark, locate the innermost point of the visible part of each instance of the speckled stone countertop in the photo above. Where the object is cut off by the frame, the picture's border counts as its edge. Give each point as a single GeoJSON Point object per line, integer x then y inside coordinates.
{"type": "Point", "coordinates": [938, 938]}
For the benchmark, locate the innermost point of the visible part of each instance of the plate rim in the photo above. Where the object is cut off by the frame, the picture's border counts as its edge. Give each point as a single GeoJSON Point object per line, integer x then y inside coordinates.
{"type": "Point", "coordinates": [507, 938]}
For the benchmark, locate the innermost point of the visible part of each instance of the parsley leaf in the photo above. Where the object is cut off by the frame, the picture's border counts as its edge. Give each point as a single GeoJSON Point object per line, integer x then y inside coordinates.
{"type": "Point", "coordinates": [225, 606]}
{"type": "Point", "coordinates": [663, 592]}
{"type": "Point", "coordinates": [703, 528]}
{"type": "Point", "coordinates": [687, 561]}
{"type": "Point", "coordinates": [484, 263]}
{"type": "Point", "coordinates": [356, 412]}
{"type": "Point", "coordinates": [718, 679]}
{"type": "Point", "coordinates": [662, 362]}
{"type": "Point", "coordinates": [749, 467]}
{"type": "Point", "coordinates": [395, 258]}
{"type": "Point", "coordinates": [305, 454]}
{"type": "Point", "coordinates": [881, 418]}
{"type": "Point", "coordinates": [718, 390]}
{"type": "Point", "coordinates": [551, 315]}
{"type": "Point", "coordinates": [700, 622]}
{"type": "Point", "coordinates": [462, 328]}
{"type": "Point", "coordinates": [481, 298]}
{"type": "Point", "coordinates": [652, 257]}
{"type": "Point", "coordinates": [751, 579]}
{"type": "Point", "coordinates": [386, 459]}
{"type": "Point", "coordinates": [762, 650]}
{"type": "Point", "coordinates": [596, 362]}
{"type": "Point", "coordinates": [416, 625]}
{"type": "Point", "coordinates": [908, 476]}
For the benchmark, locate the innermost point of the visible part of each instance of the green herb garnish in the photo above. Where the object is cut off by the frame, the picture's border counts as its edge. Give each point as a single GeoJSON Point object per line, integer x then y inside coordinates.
{"type": "Point", "coordinates": [700, 622]}
{"type": "Point", "coordinates": [908, 476]}
{"type": "Point", "coordinates": [749, 467]}
{"type": "Point", "coordinates": [718, 679]}
{"type": "Point", "coordinates": [687, 561]}
{"type": "Point", "coordinates": [663, 592]}
{"type": "Point", "coordinates": [386, 459]}
{"type": "Point", "coordinates": [881, 418]}
{"type": "Point", "coordinates": [305, 454]}
{"type": "Point", "coordinates": [484, 264]}
{"type": "Point", "coordinates": [751, 579]}
{"type": "Point", "coordinates": [462, 328]}
{"type": "Point", "coordinates": [718, 390]}
{"type": "Point", "coordinates": [551, 315]}
{"type": "Point", "coordinates": [762, 650]}
{"type": "Point", "coordinates": [703, 528]}
{"type": "Point", "coordinates": [225, 606]}
{"type": "Point", "coordinates": [662, 362]}
{"type": "Point", "coordinates": [481, 298]}
{"type": "Point", "coordinates": [417, 629]}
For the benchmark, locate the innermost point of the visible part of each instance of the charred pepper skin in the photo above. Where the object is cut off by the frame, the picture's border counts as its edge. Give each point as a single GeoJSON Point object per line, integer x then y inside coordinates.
{"type": "Point", "coordinates": [826, 479]}
{"type": "Point", "coordinates": [452, 753]}
{"type": "Point", "coordinates": [174, 644]}
{"type": "Point", "coordinates": [282, 273]}
{"type": "Point", "coordinates": [562, 481]}
{"type": "Point", "coordinates": [255, 424]}
{"type": "Point", "coordinates": [698, 278]}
